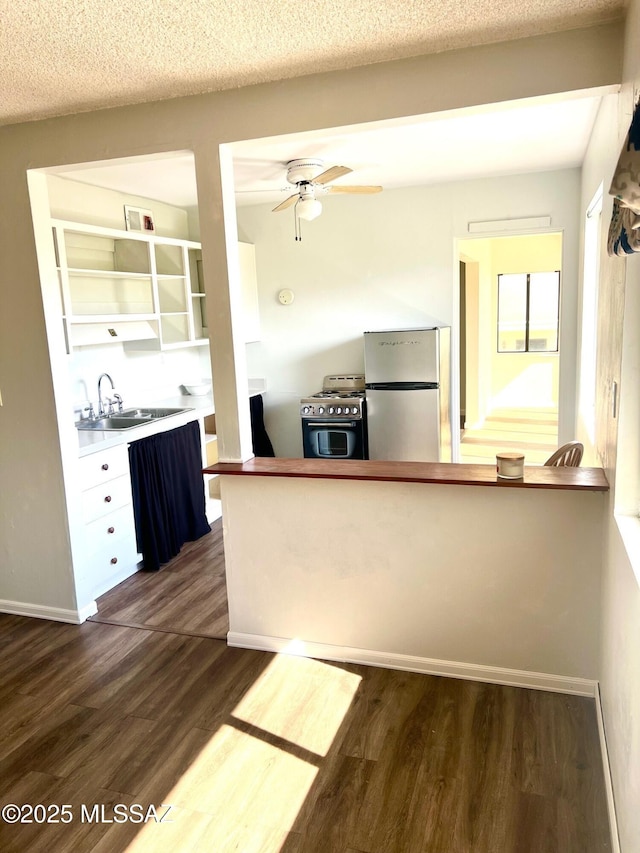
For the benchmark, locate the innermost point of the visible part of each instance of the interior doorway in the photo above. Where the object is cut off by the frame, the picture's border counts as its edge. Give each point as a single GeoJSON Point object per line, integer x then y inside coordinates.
{"type": "Point", "coordinates": [149, 279]}
{"type": "Point", "coordinates": [509, 346]}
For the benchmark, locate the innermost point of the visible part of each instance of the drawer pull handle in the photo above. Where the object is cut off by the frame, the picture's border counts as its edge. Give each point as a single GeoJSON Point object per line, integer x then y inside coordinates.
{"type": "Point", "coordinates": [111, 530]}
{"type": "Point", "coordinates": [107, 499]}
{"type": "Point", "coordinates": [105, 466]}
{"type": "Point", "coordinates": [114, 560]}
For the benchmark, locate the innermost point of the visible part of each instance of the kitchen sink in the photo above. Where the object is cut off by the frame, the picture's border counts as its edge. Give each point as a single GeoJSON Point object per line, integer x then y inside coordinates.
{"type": "Point", "coordinates": [115, 422]}
{"type": "Point", "coordinates": [129, 419]}
{"type": "Point", "coordinates": [151, 414]}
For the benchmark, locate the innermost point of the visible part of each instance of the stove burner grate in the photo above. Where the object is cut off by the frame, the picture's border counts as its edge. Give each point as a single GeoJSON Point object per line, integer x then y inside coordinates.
{"type": "Point", "coordinates": [337, 395]}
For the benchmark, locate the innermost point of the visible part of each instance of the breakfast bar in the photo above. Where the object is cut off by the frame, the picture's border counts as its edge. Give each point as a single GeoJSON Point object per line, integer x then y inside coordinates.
{"type": "Point", "coordinates": [535, 477]}
{"type": "Point", "coordinates": [438, 568]}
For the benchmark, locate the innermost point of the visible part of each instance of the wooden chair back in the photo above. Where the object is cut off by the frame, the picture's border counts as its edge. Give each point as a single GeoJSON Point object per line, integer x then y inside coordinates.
{"type": "Point", "coordinates": [569, 455]}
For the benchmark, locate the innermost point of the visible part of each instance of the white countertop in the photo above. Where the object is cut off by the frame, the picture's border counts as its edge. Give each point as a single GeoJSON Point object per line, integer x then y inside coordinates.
{"type": "Point", "coordinates": [91, 441]}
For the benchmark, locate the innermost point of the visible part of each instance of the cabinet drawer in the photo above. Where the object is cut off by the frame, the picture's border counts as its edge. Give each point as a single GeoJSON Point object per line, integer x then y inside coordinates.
{"type": "Point", "coordinates": [103, 466]}
{"type": "Point", "coordinates": [105, 531]}
{"type": "Point", "coordinates": [103, 499]}
{"type": "Point", "coordinates": [104, 565]}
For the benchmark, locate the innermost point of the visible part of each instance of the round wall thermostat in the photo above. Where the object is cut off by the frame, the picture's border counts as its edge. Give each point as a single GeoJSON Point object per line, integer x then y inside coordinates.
{"type": "Point", "coordinates": [286, 297]}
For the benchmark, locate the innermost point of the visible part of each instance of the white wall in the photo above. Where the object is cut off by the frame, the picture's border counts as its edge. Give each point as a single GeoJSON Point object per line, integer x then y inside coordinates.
{"type": "Point", "coordinates": [367, 263]}
{"type": "Point", "coordinates": [79, 202]}
{"type": "Point", "coordinates": [140, 377]}
{"type": "Point", "coordinates": [375, 262]}
{"type": "Point", "coordinates": [393, 574]}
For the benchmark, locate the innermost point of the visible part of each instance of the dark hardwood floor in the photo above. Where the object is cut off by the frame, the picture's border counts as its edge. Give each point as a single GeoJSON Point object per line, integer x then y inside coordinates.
{"type": "Point", "coordinates": [188, 595]}
{"type": "Point", "coordinates": [262, 753]}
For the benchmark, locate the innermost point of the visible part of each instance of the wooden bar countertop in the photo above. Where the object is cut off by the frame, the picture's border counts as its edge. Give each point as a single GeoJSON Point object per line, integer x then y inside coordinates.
{"type": "Point", "coordinates": [535, 477]}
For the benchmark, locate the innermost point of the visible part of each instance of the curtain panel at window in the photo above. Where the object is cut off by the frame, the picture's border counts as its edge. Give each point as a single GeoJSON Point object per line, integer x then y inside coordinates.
{"type": "Point", "coordinates": [624, 231]}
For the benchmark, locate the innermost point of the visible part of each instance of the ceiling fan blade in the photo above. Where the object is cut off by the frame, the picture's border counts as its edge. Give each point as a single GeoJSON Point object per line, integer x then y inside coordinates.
{"type": "Point", "coordinates": [331, 174]}
{"type": "Point", "coordinates": [354, 189]}
{"type": "Point", "coordinates": [286, 203]}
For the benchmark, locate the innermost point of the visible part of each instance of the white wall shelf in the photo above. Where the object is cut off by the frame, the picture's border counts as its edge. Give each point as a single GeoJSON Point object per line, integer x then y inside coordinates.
{"type": "Point", "coordinates": [111, 276]}
{"type": "Point", "coordinates": [84, 319]}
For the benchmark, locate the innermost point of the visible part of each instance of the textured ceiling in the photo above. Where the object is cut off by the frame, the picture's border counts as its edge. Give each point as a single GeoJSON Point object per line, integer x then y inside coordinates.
{"type": "Point", "coordinates": [66, 56]}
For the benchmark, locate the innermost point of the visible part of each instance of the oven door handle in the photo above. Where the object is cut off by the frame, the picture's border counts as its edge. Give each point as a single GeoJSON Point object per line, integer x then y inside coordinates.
{"type": "Point", "coordinates": [328, 423]}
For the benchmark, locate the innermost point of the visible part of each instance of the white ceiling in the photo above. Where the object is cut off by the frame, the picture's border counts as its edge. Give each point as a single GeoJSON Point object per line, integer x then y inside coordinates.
{"type": "Point", "coordinates": [66, 56]}
{"type": "Point", "coordinates": [538, 135]}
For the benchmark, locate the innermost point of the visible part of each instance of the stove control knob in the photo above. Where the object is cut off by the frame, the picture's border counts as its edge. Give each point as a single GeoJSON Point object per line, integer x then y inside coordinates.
{"type": "Point", "coordinates": [321, 410]}
{"type": "Point", "coordinates": [305, 410]}
{"type": "Point", "coordinates": [354, 410]}
{"type": "Point", "coordinates": [338, 410]}
{"type": "Point", "coordinates": [331, 410]}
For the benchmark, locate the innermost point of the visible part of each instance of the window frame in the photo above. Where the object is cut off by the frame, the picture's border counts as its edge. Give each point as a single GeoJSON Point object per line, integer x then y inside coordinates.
{"type": "Point", "coordinates": [526, 350]}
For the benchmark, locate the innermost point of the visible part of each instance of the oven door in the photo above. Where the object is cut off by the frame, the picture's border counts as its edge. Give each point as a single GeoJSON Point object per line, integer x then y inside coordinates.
{"type": "Point", "coordinates": [332, 439]}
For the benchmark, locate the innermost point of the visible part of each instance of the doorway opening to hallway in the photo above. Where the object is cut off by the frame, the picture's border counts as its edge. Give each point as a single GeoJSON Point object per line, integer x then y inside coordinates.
{"type": "Point", "coordinates": [509, 346]}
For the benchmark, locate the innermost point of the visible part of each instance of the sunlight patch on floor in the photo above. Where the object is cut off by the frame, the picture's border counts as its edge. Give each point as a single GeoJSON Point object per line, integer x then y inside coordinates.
{"type": "Point", "coordinates": [246, 787]}
{"type": "Point", "coordinates": [290, 683]}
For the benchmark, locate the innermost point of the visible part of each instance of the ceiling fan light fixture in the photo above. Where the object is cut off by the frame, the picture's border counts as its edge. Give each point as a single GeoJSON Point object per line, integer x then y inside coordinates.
{"type": "Point", "coordinates": [308, 208]}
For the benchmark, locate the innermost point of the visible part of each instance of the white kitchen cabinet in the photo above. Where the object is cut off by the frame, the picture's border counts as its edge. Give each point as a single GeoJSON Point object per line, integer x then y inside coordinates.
{"type": "Point", "coordinates": [248, 288]}
{"type": "Point", "coordinates": [122, 286]}
{"type": "Point", "coordinates": [103, 466]}
{"type": "Point", "coordinates": [110, 552]}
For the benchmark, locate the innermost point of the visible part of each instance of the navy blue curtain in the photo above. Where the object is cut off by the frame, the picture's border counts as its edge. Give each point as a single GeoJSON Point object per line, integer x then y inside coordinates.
{"type": "Point", "coordinates": [168, 493]}
{"type": "Point", "coordinates": [261, 442]}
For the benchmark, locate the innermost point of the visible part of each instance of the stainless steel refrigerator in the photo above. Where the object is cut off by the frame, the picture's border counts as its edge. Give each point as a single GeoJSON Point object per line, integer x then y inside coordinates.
{"type": "Point", "coordinates": [407, 382]}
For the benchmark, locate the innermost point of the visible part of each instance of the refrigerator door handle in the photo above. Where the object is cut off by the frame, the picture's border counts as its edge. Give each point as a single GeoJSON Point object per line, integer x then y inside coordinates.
{"type": "Point", "coordinates": [402, 386]}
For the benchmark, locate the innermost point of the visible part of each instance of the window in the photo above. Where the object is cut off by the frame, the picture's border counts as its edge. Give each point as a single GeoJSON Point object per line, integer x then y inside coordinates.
{"type": "Point", "coordinates": [528, 311]}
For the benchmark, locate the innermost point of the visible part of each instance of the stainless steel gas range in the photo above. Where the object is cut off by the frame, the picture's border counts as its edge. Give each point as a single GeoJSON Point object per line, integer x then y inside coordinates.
{"type": "Point", "coordinates": [334, 420]}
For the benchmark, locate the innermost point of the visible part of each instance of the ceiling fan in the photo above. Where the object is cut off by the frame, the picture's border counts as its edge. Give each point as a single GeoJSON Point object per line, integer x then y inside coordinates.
{"type": "Point", "coordinates": [311, 181]}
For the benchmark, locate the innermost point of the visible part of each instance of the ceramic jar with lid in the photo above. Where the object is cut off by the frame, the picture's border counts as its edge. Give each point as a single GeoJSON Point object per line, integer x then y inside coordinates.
{"type": "Point", "coordinates": [510, 466]}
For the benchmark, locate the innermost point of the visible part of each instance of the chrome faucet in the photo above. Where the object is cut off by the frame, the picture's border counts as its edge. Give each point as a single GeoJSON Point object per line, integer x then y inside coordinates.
{"type": "Point", "coordinates": [101, 410]}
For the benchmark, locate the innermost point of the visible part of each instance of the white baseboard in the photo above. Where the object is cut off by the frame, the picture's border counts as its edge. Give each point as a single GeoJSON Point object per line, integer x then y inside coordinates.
{"type": "Point", "coordinates": [428, 666]}
{"type": "Point", "coordinates": [608, 782]}
{"type": "Point", "coordinates": [55, 614]}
